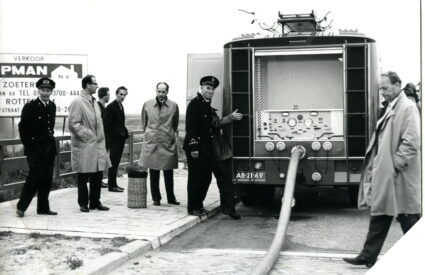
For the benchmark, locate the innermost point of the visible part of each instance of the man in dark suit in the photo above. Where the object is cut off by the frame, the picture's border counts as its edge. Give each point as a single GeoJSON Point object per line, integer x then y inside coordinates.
{"type": "Point", "coordinates": [103, 95]}
{"type": "Point", "coordinates": [198, 145]}
{"type": "Point", "coordinates": [36, 130]}
{"type": "Point", "coordinates": [116, 134]}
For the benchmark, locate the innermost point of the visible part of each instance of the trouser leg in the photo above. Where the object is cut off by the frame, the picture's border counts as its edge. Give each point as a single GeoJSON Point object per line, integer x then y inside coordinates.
{"type": "Point", "coordinates": [206, 172]}
{"type": "Point", "coordinates": [407, 221]}
{"type": "Point", "coordinates": [154, 181]}
{"type": "Point", "coordinates": [222, 173]}
{"type": "Point", "coordinates": [194, 180]}
{"type": "Point", "coordinates": [115, 152]}
{"type": "Point", "coordinates": [83, 193]}
{"type": "Point", "coordinates": [378, 231]}
{"type": "Point", "coordinates": [169, 184]}
{"type": "Point", "coordinates": [45, 185]}
{"type": "Point", "coordinates": [30, 187]}
{"type": "Point", "coordinates": [95, 188]}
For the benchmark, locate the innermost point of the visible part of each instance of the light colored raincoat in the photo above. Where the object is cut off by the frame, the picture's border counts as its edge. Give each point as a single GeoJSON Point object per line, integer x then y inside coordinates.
{"type": "Point", "coordinates": [159, 148]}
{"type": "Point", "coordinates": [391, 181]}
{"type": "Point", "coordinates": [88, 152]}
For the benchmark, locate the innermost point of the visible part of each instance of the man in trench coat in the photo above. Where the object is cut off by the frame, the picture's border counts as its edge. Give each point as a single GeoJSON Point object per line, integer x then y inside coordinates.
{"type": "Point", "coordinates": [390, 184]}
{"type": "Point", "coordinates": [160, 120]}
{"type": "Point", "coordinates": [88, 152]}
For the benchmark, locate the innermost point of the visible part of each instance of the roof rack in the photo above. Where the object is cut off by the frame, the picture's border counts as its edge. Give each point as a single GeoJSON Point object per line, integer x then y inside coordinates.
{"type": "Point", "coordinates": [299, 23]}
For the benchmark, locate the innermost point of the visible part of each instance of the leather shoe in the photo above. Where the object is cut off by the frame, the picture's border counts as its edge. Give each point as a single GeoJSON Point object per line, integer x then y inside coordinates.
{"type": "Point", "coordinates": [84, 208]}
{"type": "Point", "coordinates": [233, 214]}
{"type": "Point", "coordinates": [359, 260]}
{"type": "Point", "coordinates": [174, 202]}
{"type": "Point", "coordinates": [115, 189]}
{"type": "Point", "coordinates": [49, 212]}
{"type": "Point", "coordinates": [20, 213]}
{"type": "Point", "coordinates": [203, 211]}
{"type": "Point", "coordinates": [120, 188]}
{"type": "Point", "coordinates": [157, 203]}
{"type": "Point", "coordinates": [100, 207]}
{"type": "Point", "coordinates": [196, 213]}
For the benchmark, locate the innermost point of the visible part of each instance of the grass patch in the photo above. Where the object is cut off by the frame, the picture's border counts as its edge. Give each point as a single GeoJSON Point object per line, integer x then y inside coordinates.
{"type": "Point", "coordinates": [36, 235]}
{"type": "Point", "coordinates": [120, 241]}
{"type": "Point", "coordinates": [74, 262]}
{"type": "Point", "coordinates": [107, 250]}
{"type": "Point", "coordinates": [34, 247]}
{"type": "Point", "coordinates": [5, 233]}
{"type": "Point", "coordinates": [19, 251]}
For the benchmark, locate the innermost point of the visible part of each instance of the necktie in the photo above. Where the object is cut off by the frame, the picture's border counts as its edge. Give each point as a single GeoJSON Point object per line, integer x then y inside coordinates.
{"type": "Point", "coordinates": [383, 109]}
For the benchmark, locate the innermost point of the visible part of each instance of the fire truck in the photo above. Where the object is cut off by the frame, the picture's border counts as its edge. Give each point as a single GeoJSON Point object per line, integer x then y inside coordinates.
{"type": "Point", "coordinates": [301, 87]}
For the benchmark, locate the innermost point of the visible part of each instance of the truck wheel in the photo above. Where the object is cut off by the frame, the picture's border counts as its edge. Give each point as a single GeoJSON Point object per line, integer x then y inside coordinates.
{"type": "Point", "coordinates": [353, 192]}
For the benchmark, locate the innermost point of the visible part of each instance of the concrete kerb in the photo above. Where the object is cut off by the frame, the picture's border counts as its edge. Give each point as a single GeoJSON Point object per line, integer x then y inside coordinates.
{"type": "Point", "coordinates": [113, 260]}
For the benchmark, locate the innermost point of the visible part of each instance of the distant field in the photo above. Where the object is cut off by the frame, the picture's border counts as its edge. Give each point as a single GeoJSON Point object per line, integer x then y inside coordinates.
{"type": "Point", "coordinates": [132, 121]}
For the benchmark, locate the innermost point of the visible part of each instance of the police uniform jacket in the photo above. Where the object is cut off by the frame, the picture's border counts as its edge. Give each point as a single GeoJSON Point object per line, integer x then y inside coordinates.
{"type": "Point", "coordinates": [391, 174]}
{"type": "Point", "coordinates": [198, 126]}
{"type": "Point", "coordinates": [88, 151]}
{"type": "Point", "coordinates": [36, 128]}
{"type": "Point", "coordinates": [159, 148]}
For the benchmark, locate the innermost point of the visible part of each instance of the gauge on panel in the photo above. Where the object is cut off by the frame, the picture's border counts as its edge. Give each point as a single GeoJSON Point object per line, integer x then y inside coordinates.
{"type": "Point", "coordinates": [308, 122]}
{"type": "Point", "coordinates": [292, 122]}
{"type": "Point", "coordinates": [314, 113]}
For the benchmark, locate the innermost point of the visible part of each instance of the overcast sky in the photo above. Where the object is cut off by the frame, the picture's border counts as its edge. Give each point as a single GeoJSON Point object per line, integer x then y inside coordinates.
{"type": "Point", "coordinates": [138, 43]}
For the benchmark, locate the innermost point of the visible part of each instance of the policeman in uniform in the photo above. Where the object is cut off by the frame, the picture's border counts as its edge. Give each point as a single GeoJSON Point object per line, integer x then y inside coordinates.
{"type": "Point", "coordinates": [198, 144]}
{"type": "Point", "coordinates": [36, 130]}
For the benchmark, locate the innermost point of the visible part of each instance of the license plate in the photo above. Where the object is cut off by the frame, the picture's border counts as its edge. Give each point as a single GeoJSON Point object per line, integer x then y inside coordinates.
{"type": "Point", "coordinates": [250, 176]}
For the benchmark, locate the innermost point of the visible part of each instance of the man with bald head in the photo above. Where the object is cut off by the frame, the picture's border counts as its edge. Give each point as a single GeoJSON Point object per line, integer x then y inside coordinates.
{"type": "Point", "coordinates": [390, 184]}
{"type": "Point", "coordinates": [160, 120]}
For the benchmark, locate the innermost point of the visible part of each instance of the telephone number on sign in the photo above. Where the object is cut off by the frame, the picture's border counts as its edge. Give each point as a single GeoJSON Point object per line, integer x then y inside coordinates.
{"type": "Point", "coordinates": [250, 176]}
{"type": "Point", "coordinates": [64, 109]}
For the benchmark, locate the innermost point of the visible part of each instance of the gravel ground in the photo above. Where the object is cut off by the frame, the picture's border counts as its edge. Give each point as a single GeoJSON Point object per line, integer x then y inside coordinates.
{"type": "Point", "coordinates": [55, 254]}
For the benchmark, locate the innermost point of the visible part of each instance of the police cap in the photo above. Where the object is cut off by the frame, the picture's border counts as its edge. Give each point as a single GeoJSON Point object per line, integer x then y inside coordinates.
{"type": "Point", "coordinates": [210, 80]}
{"type": "Point", "coordinates": [45, 82]}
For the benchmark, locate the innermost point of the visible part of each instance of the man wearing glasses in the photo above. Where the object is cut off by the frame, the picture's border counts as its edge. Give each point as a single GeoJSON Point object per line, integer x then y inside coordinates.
{"type": "Point", "coordinates": [88, 152]}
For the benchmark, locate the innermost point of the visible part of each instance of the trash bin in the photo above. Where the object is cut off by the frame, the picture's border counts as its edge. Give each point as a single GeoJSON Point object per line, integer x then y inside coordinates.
{"type": "Point", "coordinates": [137, 190]}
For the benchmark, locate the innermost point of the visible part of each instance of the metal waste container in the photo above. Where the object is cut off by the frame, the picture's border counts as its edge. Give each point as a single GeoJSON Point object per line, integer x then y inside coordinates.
{"type": "Point", "coordinates": [137, 190]}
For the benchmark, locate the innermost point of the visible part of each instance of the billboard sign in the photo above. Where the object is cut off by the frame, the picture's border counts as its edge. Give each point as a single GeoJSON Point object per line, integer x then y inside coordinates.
{"type": "Point", "coordinates": [20, 72]}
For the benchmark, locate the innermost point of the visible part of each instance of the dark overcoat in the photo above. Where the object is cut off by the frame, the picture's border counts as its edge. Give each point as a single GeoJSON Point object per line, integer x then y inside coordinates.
{"type": "Point", "coordinates": [198, 127]}
{"type": "Point", "coordinates": [36, 127]}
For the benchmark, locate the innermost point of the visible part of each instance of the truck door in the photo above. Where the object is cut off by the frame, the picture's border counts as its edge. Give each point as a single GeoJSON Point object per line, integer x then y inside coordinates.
{"type": "Point", "coordinates": [203, 64]}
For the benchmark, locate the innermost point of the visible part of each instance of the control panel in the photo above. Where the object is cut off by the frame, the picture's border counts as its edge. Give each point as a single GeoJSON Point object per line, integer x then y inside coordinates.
{"type": "Point", "coordinates": [300, 125]}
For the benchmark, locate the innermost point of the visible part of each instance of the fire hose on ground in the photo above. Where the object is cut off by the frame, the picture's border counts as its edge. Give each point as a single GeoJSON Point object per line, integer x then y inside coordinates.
{"type": "Point", "coordinates": [272, 254]}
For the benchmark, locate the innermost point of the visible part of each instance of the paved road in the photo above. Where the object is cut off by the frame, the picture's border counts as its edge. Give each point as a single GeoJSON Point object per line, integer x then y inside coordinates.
{"type": "Point", "coordinates": [323, 228]}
